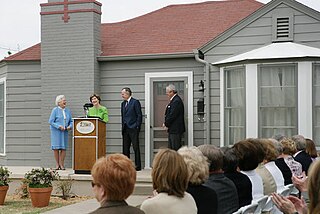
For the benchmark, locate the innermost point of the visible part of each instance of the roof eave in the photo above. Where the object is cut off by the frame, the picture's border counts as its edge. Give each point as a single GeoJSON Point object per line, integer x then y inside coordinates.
{"type": "Point", "coordinates": [261, 61]}
{"type": "Point", "coordinates": [146, 56]}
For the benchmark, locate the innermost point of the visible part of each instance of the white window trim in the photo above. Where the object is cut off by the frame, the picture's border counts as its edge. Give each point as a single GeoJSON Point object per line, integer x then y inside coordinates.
{"type": "Point", "coordinates": [3, 80]}
{"type": "Point", "coordinates": [304, 107]}
{"type": "Point", "coordinates": [305, 99]}
{"type": "Point", "coordinates": [148, 77]}
{"type": "Point", "coordinates": [252, 108]}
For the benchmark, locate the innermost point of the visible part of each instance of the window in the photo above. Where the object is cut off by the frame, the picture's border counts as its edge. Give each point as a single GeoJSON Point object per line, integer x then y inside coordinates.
{"type": "Point", "coordinates": [2, 116]}
{"type": "Point", "coordinates": [316, 104]}
{"type": "Point", "coordinates": [277, 97]}
{"type": "Point", "coordinates": [234, 106]}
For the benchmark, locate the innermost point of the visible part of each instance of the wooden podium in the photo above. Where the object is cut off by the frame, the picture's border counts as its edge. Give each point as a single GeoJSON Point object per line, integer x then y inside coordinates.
{"type": "Point", "coordinates": [89, 143]}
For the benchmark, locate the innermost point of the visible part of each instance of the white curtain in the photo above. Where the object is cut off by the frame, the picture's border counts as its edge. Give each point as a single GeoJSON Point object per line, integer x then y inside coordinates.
{"type": "Point", "coordinates": [277, 99]}
{"type": "Point", "coordinates": [316, 107]}
{"type": "Point", "coordinates": [234, 105]}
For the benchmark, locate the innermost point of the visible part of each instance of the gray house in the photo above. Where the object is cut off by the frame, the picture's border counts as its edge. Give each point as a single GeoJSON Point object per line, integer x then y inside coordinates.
{"type": "Point", "coordinates": [260, 65]}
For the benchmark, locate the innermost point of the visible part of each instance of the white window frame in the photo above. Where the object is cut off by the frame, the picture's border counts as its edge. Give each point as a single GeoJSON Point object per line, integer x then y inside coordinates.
{"type": "Point", "coordinates": [304, 100]}
{"type": "Point", "coordinates": [3, 81]}
{"type": "Point", "coordinates": [148, 77]}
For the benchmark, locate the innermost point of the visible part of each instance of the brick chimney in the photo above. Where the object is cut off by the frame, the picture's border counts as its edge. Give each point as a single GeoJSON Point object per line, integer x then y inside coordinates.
{"type": "Point", "coordinates": [70, 44]}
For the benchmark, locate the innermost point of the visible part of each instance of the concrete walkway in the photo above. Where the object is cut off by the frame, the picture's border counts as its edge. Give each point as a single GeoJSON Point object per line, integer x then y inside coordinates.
{"type": "Point", "coordinates": [91, 205]}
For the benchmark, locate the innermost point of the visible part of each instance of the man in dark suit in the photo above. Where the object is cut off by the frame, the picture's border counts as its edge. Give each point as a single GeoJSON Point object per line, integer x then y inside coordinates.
{"type": "Point", "coordinates": [301, 156]}
{"type": "Point", "coordinates": [174, 118]}
{"type": "Point", "coordinates": [131, 116]}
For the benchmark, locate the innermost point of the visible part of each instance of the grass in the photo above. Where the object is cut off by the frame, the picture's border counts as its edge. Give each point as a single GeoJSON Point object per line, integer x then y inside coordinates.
{"type": "Point", "coordinates": [14, 204]}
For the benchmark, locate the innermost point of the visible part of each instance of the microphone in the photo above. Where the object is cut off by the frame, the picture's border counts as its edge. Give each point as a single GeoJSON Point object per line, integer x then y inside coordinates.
{"type": "Point", "coordinates": [86, 107]}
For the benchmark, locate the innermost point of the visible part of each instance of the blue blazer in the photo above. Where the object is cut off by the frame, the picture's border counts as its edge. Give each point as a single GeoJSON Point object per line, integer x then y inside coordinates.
{"type": "Point", "coordinates": [131, 115]}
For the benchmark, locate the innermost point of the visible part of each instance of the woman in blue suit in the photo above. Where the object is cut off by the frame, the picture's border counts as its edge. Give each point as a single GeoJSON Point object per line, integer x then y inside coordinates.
{"type": "Point", "coordinates": [60, 123]}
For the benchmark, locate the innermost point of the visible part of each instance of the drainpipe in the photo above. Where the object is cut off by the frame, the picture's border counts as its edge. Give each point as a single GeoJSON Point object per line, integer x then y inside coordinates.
{"type": "Point", "coordinates": [207, 93]}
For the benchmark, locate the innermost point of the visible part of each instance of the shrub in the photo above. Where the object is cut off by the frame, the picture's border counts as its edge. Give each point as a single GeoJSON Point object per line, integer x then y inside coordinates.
{"type": "Point", "coordinates": [4, 176]}
{"type": "Point", "coordinates": [40, 178]}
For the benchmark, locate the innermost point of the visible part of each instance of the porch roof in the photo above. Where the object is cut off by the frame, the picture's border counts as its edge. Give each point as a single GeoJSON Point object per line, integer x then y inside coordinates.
{"type": "Point", "coordinates": [281, 50]}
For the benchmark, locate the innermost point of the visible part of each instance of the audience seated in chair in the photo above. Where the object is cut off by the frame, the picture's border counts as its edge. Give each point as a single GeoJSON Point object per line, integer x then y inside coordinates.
{"type": "Point", "coordinates": [241, 181]}
{"type": "Point", "coordinates": [248, 156]}
{"type": "Point", "coordinates": [301, 156]}
{"type": "Point", "coordinates": [114, 178]}
{"type": "Point", "coordinates": [205, 197]}
{"type": "Point", "coordinates": [226, 190]}
{"type": "Point", "coordinates": [281, 164]}
{"type": "Point", "coordinates": [288, 150]}
{"type": "Point", "coordinates": [292, 204]}
{"type": "Point", "coordinates": [269, 163]}
{"type": "Point", "coordinates": [170, 182]}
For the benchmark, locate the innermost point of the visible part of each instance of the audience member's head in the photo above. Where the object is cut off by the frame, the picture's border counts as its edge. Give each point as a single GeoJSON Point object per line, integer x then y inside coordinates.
{"type": "Point", "coordinates": [314, 187]}
{"type": "Point", "coordinates": [311, 148]}
{"type": "Point", "coordinates": [300, 142]}
{"type": "Point", "coordinates": [271, 153]}
{"type": "Point", "coordinates": [230, 161]}
{"type": "Point", "coordinates": [214, 155]}
{"type": "Point", "coordinates": [197, 164]}
{"type": "Point", "coordinates": [279, 137]}
{"type": "Point", "coordinates": [114, 178]}
{"type": "Point", "coordinates": [169, 173]}
{"type": "Point", "coordinates": [249, 153]}
{"type": "Point", "coordinates": [278, 146]}
{"type": "Point", "coordinates": [288, 146]}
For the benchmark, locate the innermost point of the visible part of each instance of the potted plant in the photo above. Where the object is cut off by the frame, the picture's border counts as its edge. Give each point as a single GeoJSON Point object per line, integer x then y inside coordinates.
{"type": "Point", "coordinates": [40, 185]}
{"type": "Point", "coordinates": [4, 183]}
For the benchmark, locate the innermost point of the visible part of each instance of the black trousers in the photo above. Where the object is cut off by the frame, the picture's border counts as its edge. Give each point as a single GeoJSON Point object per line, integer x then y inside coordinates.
{"type": "Point", "coordinates": [174, 141]}
{"type": "Point", "coordinates": [131, 136]}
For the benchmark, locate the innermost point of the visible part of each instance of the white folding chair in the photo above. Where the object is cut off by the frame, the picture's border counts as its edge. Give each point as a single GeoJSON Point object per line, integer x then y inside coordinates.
{"type": "Point", "coordinates": [269, 205]}
{"type": "Point", "coordinates": [261, 204]}
{"type": "Point", "coordinates": [290, 187]}
{"type": "Point", "coordinates": [285, 192]}
{"type": "Point", "coordinates": [249, 209]}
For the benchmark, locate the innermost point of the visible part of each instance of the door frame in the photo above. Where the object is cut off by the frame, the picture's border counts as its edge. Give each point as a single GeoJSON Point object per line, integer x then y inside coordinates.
{"type": "Point", "coordinates": [148, 85]}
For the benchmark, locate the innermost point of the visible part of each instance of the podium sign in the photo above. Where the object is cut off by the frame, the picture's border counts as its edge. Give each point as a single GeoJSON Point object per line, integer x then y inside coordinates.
{"type": "Point", "coordinates": [89, 143]}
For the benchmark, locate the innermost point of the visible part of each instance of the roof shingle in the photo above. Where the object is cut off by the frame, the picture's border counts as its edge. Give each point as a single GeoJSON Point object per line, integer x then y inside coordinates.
{"type": "Point", "coordinates": [172, 29]}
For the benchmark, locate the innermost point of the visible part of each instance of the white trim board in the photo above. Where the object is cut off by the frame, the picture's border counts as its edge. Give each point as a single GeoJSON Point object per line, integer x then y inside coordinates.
{"type": "Point", "coordinates": [148, 77]}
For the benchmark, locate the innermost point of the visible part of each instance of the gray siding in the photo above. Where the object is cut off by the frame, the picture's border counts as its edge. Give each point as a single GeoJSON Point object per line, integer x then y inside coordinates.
{"type": "Point", "coordinates": [116, 75]}
{"type": "Point", "coordinates": [306, 30]}
{"type": "Point", "coordinates": [69, 65]}
{"type": "Point", "coordinates": [23, 116]}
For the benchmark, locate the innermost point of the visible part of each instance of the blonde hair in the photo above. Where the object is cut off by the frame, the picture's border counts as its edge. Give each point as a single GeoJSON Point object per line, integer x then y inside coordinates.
{"type": "Point", "coordinates": [116, 174]}
{"type": "Point", "coordinates": [59, 98]}
{"type": "Point", "coordinates": [197, 164]}
{"type": "Point", "coordinates": [314, 187]}
{"type": "Point", "coordinates": [288, 146]}
{"type": "Point", "coordinates": [169, 173]}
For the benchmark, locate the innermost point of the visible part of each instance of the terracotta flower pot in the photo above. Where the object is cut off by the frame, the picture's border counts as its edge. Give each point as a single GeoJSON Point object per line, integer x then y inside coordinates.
{"type": "Point", "coordinates": [40, 197]}
{"type": "Point", "coordinates": [3, 193]}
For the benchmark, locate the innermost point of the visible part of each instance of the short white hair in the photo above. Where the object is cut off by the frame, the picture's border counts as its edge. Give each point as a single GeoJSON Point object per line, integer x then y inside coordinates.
{"type": "Point", "coordinates": [171, 88]}
{"type": "Point", "coordinates": [59, 98]}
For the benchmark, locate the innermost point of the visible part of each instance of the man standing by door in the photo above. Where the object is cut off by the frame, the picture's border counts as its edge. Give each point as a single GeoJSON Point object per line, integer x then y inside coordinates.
{"type": "Point", "coordinates": [131, 116]}
{"type": "Point", "coordinates": [174, 118]}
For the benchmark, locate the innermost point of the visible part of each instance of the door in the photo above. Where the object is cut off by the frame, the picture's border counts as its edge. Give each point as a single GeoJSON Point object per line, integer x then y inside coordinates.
{"type": "Point", "coordinates": [159, 101]}
{"type": "Point", "coordinates": [156, 102]}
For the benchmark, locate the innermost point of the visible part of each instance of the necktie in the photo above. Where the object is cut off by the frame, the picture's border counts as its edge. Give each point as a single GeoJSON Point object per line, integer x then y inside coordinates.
{"type": "Point", "coordinates": [126, 104]}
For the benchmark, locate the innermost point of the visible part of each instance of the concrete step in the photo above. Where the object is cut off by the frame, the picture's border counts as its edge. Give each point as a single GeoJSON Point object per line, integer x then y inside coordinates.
{"type": "Point", "coordinates": [81, 183]}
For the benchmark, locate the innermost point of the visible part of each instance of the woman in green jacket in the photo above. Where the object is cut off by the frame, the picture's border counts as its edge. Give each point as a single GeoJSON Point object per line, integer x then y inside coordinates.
{"type": "Point", "coordinates": [98, 110]}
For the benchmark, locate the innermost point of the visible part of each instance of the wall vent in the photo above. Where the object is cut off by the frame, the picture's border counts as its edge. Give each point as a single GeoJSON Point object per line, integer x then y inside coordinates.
{"type": "Point", "coordinates": [283, 27]}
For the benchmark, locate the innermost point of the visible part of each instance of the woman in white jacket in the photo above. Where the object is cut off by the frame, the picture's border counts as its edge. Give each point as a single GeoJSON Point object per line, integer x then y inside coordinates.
{"type": "Point", "coordinates": [170, 181]}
